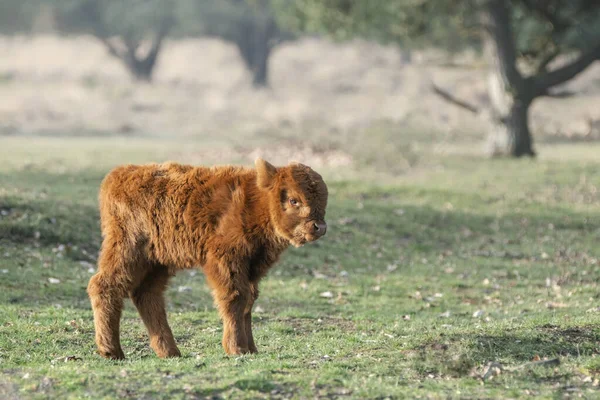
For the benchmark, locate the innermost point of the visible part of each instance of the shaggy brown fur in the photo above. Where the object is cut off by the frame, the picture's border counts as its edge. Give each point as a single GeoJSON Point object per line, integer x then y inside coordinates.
{"type": "Point", "coordinates": [232, 222]}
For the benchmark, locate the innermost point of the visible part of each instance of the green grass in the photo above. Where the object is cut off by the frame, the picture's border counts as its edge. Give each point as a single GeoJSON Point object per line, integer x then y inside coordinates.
{"type": "Point", "coordinates": [433, 275]}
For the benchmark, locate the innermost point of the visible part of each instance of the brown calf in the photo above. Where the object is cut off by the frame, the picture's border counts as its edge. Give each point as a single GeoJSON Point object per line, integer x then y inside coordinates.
{"type": "Point", "coordinates": [231, 222]}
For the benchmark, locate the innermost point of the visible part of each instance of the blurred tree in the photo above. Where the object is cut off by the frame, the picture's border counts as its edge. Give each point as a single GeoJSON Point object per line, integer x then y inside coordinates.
{"type": "Point", "coordinates": [532, 46]}
{"type": "Point", "coordinates": [17, 16]}
{"type": "Point", "coordinates": [249, 24]}
{"type": "Point", "coordinates": [123, 27]}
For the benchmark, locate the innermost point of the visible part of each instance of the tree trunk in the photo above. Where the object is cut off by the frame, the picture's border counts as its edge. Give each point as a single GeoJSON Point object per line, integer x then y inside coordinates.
{"type": "Point", "coordinates": [406, 56]}
{"type": "Point", "coordinates": [260, 69]}
{"type": "Point", "coordinates": [255, 43]}
{"type": "Point", "coordinates": [255, 54]}
{"type": "Point", "coordinates": [510, 94]}
{"type": "Point", "coordinates": [142, 67]}
{"type": "Point", "coordinates": [510, 134]}
{"type": "Point", "coordinates": [141, 70]}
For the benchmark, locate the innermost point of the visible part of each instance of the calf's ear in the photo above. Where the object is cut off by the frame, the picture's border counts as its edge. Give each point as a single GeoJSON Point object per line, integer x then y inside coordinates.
{"type": "Point", "coordinates": [265, 172]}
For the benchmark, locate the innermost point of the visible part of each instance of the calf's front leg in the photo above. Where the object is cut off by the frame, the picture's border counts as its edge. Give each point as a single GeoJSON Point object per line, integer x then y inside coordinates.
{"type": "Point", "coordinates": [232, 292]}
{"type": "Point", "coordinates": [232, 304]}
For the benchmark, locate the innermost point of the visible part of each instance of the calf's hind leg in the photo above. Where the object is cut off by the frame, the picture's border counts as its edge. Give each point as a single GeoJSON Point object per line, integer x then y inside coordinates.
{"type": "Point", "coordinates": [106, 297]}
{"type": "Point", "coordinates": [117, 272]}
{"type": "Point", "coordinates": [149, 300]}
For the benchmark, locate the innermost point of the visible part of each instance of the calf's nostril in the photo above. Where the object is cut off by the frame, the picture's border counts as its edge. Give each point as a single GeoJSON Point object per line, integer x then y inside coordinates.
{"type": "Point", "coordinates": [320, 228]}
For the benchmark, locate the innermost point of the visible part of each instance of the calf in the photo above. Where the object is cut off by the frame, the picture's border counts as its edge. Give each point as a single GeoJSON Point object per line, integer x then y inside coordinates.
{"type": "Point", "coordinates": [231, 222]}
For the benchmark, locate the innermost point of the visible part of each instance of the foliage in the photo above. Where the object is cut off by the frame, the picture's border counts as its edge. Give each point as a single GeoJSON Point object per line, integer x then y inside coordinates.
{"type": "Point", "coordinates": [409, 23]}
{"type": "Point", "coordinates": [541, 27]}
{"type": "Point", "coordinates": [545, 30]}
{"type": "Point", "coordinates": [17, 16]}
{"type": "Point", "coordinates": [135, 19]}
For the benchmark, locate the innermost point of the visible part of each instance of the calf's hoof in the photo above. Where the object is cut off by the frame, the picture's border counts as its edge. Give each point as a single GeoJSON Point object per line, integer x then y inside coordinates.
{"type": "Point", "coordinates": [164, 348]}
{"type": "Point", "coordinates": [236, 350]}
{"type": "Point", "coordinates": [170, 353]}
{"type": "Point", "coordinates": [112, 354]}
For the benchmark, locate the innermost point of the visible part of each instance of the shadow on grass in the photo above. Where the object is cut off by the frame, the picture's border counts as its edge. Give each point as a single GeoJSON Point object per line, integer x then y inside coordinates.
{"type": "Point", "coordinates": [258, 387]}
{"type": "Point", "coordinates": [43, 208]}
{"type": "Point", "coordinates": [545, 341]}
{"type": "Point", "coordinates": [457, 355]}
{"type": "Point", "coordinates": [49, 223]}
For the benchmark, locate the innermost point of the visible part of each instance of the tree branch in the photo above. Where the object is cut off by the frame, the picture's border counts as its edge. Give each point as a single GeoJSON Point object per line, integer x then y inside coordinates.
{"type": "Point", "coordinates": [110, 47]}
{"type": "Point", "coordinates": [564, 94]}
{"type": "Point", "coordinates": [165, 27]}
{"type": "Point", "coordinates": [545, 81]}
{"type": "Point", "coordinates": [547, 60]}
{"type": "Point", "coordinates": [96, 17]}
{"type": "Point", "coordinates": [130, 43]}
{"type": "Point", "coordinates": [453, 99]}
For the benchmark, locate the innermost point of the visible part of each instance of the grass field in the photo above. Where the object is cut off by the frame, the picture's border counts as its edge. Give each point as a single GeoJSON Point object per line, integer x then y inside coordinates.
{"type": "Point", "coordinates": [423, 280]}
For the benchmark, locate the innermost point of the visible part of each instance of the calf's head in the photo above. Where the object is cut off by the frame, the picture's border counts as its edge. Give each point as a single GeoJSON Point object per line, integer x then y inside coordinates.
{"type": "Point", "coordinates": [297, 198]}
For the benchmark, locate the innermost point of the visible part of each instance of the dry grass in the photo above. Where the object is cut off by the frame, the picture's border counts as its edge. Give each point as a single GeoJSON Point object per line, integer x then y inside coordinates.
{"type": "Point", "coordinates": [51, 85]}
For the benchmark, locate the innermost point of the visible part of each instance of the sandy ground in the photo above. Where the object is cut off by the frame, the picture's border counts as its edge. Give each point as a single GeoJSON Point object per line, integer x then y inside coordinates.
{"type": "Point", "coordinates": [53, 85]}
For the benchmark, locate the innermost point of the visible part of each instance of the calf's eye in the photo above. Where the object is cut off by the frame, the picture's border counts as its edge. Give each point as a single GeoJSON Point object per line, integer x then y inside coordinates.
{"type": "Point", "coordinates": [294, 202]}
